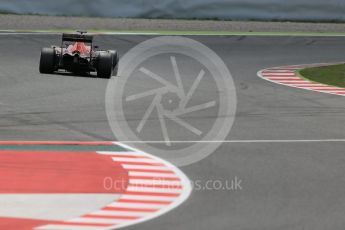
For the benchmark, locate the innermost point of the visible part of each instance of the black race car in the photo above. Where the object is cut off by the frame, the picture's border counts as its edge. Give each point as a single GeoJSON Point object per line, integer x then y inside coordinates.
{"type": "Point", "coordinates": [78, 55]}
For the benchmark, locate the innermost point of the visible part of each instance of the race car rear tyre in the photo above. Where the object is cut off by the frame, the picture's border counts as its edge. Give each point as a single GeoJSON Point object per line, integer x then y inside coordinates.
{"type": "Point", "coordinates": [115, 61]}
{"type": "Point", "coordinates": [105, 65]}
{"type": "Point", "coordinates": [47, 60]}
{"type": "Point", "coordinates": [115, 57]}
{"type": "Point", "coordinates": [116, 69]}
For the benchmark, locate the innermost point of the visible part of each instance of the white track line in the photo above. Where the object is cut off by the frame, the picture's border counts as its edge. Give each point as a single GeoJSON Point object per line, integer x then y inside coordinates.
{"type": "Point", "coordinates": [242, 141]}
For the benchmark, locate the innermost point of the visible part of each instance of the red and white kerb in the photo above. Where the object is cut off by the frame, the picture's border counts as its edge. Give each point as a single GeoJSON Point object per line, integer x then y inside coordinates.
{"type": "Point", "coordinates": [287, 75]}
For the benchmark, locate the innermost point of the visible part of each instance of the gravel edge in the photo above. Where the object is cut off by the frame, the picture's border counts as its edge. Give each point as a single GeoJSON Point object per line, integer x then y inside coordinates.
{"type": "Point", "coordinates": [35, 22]}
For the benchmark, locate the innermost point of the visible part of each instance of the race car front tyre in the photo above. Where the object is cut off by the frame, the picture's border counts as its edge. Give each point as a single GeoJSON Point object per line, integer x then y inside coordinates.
{"type": "Point", "coordinates": [115, 61]}
{"type": "Point", "coordinates": [105, 65]}
{"type": "Point", "coordinates": [47, 60]}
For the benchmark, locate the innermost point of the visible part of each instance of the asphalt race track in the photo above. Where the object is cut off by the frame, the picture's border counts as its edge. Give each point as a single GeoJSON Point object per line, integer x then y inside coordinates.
{"type": "Point", "coordinates": [285, 185]}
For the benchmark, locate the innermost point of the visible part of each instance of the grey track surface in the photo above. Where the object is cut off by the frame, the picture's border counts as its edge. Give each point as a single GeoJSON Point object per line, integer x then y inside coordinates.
{"type": "Point", "coordinates": [8, 22]}
{"type": "Point", "coordinates": [285, 186]}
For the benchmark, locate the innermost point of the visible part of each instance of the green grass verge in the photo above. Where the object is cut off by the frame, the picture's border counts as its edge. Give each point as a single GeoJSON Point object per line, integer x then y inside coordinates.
{"type": "Point", "coordinates": [330, 75]}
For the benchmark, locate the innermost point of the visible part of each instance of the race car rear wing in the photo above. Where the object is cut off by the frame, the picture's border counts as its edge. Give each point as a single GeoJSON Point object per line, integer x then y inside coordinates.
{"type": "Point", "coordinates": [77, 38]}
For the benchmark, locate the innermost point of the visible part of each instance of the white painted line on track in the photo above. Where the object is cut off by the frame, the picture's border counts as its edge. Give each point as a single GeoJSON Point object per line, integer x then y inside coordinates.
{"type": "Point", "coordinates": [181, 33]}
{"type": "Point", "coordinates": [243, 141]}
{"type": "Point", "coordinates": [59, 33]}
{"type": "Point", "coordinates": [29, 33]}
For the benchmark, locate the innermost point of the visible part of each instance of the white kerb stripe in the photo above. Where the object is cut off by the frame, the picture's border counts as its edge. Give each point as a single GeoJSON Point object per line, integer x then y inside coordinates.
{"type": "Point", "coordinates": [280, 70]}
{"type": "Point", "coordinates": [334, 92]}
{"type": "Point", "coordinates": [327, 87]}
{"type": "Point", "coordinates": [139, 160]}
{"type": "Point", "coordinates": [153, 198]}
{"type": "Point", "coordinates": [153, 174]}
{"type": "Point", "coordinates": [136, 205]}
{"type": "Point", "coordinates": [121, 153]}
{"type": "Point", "coordinates": [153, 182]}
{"type": "Point", "coordinates": [306, 85]}
{"type": "Point", "coordinates": [278, 74]}
{"type": "Point", "coordinates": [147, 167]}
{"type": "Point", "coordinates": [121, 213]}
{"type": "Point", "coordinates": [85, 220]}
{"type": "Point", "coordinates": [153, 190]}
{"type": "Point", "coordinates": [292, 80]}
{"type": "Point", "coordinates": [67, 227]}
{"type": "Point", "coordinates": [283, 78]}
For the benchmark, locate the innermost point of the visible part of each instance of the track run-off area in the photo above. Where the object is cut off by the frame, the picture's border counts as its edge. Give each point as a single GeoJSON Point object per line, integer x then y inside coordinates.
{"type": "Point", "coordinates": [286, 144]}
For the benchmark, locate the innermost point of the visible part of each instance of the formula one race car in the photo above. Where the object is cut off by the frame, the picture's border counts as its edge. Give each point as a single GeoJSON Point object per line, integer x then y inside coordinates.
{"type": "Point", "coordinates": [78, 55]}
